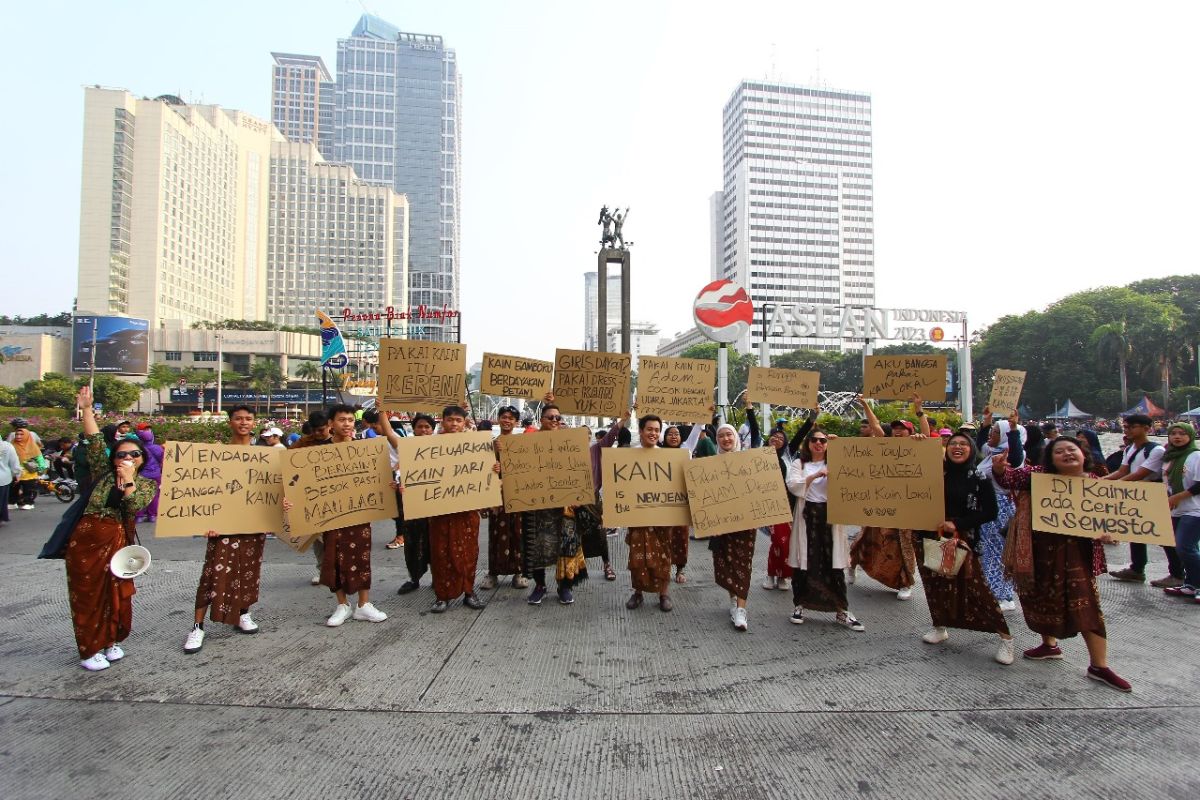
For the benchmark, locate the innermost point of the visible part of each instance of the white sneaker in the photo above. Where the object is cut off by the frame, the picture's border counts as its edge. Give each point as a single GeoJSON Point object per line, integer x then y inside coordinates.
{"type": "Point", "coordinates": [12, 506]}
{"type": "Point", "coordinates": [771, 583]}
{"type": "Point", "coordinates": [340, 615]}
{"type": "Point", "coordinates": [114, 653]}
{"type": "Point", "coordinates": [489, 582]}
{"type": "Point", "coordinates": [95, 663]}
{"type": "Point", "coordinates": [784, 585]}
{"type": "Point", "coordinates": [246, 624]}
{"type": "Point", "coordinates": [733, 608]}
{"type": "Point", "coordinates": [1008, 605]}
{"type": "Point", "coordinates": [739, 619]}
{"type": "Point", "coordinates": [316, 579]}
{"type": "Point", "coordinates": [936, 636]}
{"type": "Point", "coordinates": [904, 594]}
{"type": "Point", "coordinates": [1005, 654]}
{"type": "Point", "coordinates": [27, 507]}
{"type": "Point", "coordinates": [194, 641]}
{"type": "Point", "coordinates": [851, 575]}
{"type": "Point", "coordinates": [368, 613]}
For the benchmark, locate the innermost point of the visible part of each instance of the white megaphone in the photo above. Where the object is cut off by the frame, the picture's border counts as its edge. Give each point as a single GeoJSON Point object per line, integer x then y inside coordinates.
{"type": "Point", "coordinates": [130, 562]}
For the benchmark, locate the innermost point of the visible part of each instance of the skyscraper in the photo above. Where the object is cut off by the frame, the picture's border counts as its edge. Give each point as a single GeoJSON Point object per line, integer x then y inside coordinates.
{"type": "Point", "coordinates": [303, 96]}
{"type": "Point", "coordinates": [591, 305]}
{"type": "Point", "coordinates": [397, 124]}
{"type": "Point", "coordinates": [794, 222]}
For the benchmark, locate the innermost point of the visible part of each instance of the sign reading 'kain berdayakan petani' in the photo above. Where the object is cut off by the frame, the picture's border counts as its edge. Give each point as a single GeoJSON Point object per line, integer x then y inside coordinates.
{"type": "Point", "coordinates": [514, 376]}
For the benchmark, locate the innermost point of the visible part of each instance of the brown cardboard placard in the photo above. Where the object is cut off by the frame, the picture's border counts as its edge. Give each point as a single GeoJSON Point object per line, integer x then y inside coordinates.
{"type": "Point", "coordinates": [416, 375]}
{"type": "Point", "coordinates": [735, 492]}
{"type": "Point", "coordinates": [590, 383]}
{"type": "Point", "coordinates": [886, 482]}
{"type": "Point", "coordinates": [645, 486]}
{"type": "Point", "coordinates": [676, 389]}
{"type": "Point", "coordinates": [1006, 391]}
{"type": "Point", "coordinates": [1129, 511]}
{"type": "Point", "coordinates": [448, 473]}
{"type": "Point", "coordinates": [220, 487]}
{"type": "Point", "coordinates": [898, 377]}
{"type": "Point", "coordinates": [783, 387]}
{"type": "Point", "coordinates": [337, 485]}
{"type": "Point", "coordinates": [546, 469]}
{"type": "Point", "coordinates": [515, 376]}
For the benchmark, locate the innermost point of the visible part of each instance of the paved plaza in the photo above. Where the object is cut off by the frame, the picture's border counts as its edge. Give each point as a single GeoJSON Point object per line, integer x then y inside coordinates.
{"type": "Point", "coordinates": [584, 701]}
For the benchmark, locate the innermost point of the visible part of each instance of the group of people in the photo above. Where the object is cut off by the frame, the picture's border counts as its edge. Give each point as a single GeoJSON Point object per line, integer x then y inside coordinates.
{"type": "Point", "coordinates": [987, 477]}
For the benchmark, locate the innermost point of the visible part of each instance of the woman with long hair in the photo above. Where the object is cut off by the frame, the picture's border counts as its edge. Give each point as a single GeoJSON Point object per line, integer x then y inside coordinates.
{"type": "Point", "coordinates": [964, 600]}
{"type": "Point", "coordinates": [101, 603]}
{"type": "Point", "coordinates": [819, 552]}
{"type": "Point", "coordinates": [1055, 574]}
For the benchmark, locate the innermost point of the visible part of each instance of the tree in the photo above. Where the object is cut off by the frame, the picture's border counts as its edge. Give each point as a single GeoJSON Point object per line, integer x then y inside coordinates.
{"type": "Point", "coordinates": [265, 376]}
{"type": "Point", "coordinates": [739, 366]}
{"type": "Point", "coordinates": [113, 393]}
{"type": "Point", "coordinates": [161, 376]}
{"type": "Point", "coordinates": [1112, 341]}
{"type": "Point", "coordinates": [52, 391]}
{"type": "Point", "coordinates": [308, 371]}
{"type": "Point", "coordinates": [8, 397]}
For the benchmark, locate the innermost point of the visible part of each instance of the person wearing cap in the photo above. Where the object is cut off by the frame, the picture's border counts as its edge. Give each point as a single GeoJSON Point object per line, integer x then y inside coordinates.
{"type": "Point", "coordinates": [230, 577]}
{"type": "Point", "coordinates": [944, 434]}
{"type": "Point", "coordinates": [273, 437]}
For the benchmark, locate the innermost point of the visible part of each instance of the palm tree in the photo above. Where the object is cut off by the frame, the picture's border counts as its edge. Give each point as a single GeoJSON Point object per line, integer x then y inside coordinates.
{"type": "Point", "coordinates": [161, 377]}
{"type": "Point", "coordinates": [266, 376]}
{"type": "Point", "coordinates": [308, 371]}
{"type": "Point", "coordinates": [1163, 348]}
{"type": "Point", "coordinates": [1113, 340]}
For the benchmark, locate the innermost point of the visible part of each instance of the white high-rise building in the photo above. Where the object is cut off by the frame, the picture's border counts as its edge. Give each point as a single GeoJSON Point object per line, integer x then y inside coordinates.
{"type": "Point", "coordinates": [591, 305]}
{"type": "Point", "coordinates": [794, 222]}
{"type": "Point", "coordinates": [303, 96]}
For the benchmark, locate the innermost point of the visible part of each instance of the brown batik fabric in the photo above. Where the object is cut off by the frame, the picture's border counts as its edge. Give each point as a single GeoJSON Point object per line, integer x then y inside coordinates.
{"type": "Point", "coordinates": [346, 562]}
{"type": "Point", "coordinates": [820, 587]}
{"type": "Point", "coordinates": [679, 545]}
{"type": "Point", "coordinates": [504, 542]}
{"type": "Point", "coordinates": [101, 603]}
{"type": "Point", "coordinates": [1062, 599]}
{"type": "Point", "coordinates": [733, 561]}
{"type": "Point", "coordinates": [453, 553]}
{"type": "Point", "coordinates": [230, 579]}
{"type": "Point", "coordinates": [781, 537]}
{"type": "Point", "coordinates": [964, 600]}
{"type": "Point", "coordinates": [649, 558]}
{"type": "Point", "coordinates": [887, 555]}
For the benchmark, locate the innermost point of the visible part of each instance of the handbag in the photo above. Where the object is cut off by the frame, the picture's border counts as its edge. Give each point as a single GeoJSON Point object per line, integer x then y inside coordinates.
{"type": "Point", "coordinates": [56, 545]}
{"type": "Point", "coordinates": [944, 557]}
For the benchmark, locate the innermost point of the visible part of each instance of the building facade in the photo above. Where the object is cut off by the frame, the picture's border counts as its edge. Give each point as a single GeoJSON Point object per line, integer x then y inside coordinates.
{"type": "Point", "coordinates": [173, 209]}
{"type": "Point", "coordinates": [334, 241]}
{"type": "Point", "coordinates": [303, 97]}
{"type": "Point", "coordinates": [27, 353]}
{"type": "Point", "coordinates": [591, 300]}
{"type": "Point", "coordinates": [644, 338]}
{"type": "Point", "coordinates": [794, 222]}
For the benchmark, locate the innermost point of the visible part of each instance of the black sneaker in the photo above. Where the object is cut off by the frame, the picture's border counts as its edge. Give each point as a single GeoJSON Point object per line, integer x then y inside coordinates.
{"type": "Point", "coordinates": [408, 586]}
{"type": "Point", "coordinates": [798, 616]}
{"type": "Point", "coordinates": [471, 601]}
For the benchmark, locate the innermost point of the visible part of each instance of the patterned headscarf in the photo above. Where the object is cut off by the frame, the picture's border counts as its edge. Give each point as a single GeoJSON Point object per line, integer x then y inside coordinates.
{"type": "Point", "coordinates": [1176, 456]}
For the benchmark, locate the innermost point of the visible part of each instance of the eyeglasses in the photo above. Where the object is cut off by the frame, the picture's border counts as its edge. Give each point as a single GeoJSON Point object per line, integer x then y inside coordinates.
{"type": "Point", "coordinates": [127, 455]}
{"type": "Point", "coordinates": [554, 418]}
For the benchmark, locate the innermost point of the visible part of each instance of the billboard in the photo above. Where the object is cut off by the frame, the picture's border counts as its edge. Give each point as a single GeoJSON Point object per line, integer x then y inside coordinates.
{"type": "Point", "coordinates": [122, 345]}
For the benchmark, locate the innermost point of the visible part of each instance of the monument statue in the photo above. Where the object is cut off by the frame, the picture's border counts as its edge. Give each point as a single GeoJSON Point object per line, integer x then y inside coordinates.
{"type": "Point", "coordinates": [611, 223]}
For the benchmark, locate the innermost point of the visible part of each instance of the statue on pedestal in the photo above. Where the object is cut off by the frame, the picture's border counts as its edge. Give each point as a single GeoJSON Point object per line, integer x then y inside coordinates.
{"type": "Point", "coordinates": [612, 222]}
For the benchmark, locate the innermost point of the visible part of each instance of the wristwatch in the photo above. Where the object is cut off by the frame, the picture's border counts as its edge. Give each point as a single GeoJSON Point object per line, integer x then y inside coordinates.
{"type": "Point", "coordinates": [129, 485]}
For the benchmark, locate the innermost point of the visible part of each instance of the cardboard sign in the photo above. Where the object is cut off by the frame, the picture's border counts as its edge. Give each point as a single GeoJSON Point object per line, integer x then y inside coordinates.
{"type": "Point", "coordinates": [593, 384]}
{"type": "Point", "coordinates": [886, 482]}
{"type": "Point", "coordinates": [735, 492]}
{"type": "Point", "coordinates": [219, 487]}
{"type": "Point", "coordinates": [416, 375]}
{"type": "Point", "coordinates": [783, 387]}
{"type": "Point", "coordinates": [645, 486]}
{"type": "Point", "coordinates": [546, 469]}
{"type": "Point", "coordinates": [1006, 391]}
{"type": "Point", "coordinates": [1129, 511]}
{"type": "Point", "coordinates": [899, 377]}
{"type": "Point", "coordinates": [448, 473]}
{"type": "Point", "coordinates": [337, 485]}
{"type": "Point", "coordinates": [513, 376]}
{"type": "Point", "coordinates": [676, 389]}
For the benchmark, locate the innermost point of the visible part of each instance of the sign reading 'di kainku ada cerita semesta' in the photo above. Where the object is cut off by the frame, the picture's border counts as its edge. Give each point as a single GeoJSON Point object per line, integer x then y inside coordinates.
{"type": "Point", "coordinates": [1129, 511]}
{"type": "Point", "coordinates": [448, 473]}
{"type": "Point", "coordinates": [219, 487]}
{"type": "Point", "coordinates": [886, 482]}
{"type": "Point", "coordinates": [645, 486]}
{"type": "Point", "coordinates": [338, 485]}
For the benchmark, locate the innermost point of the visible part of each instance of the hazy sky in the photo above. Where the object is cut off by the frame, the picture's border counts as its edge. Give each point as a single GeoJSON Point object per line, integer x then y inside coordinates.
{"type": "Point", "coordinates": [1022, 150]}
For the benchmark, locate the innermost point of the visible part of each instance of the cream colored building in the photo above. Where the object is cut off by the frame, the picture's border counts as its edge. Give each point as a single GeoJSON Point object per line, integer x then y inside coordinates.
{"type": "Point", "coordinates": [185, 348]}
{"type": "Point", "coordinates": [27, 353]}
{"type": "Point", "coordinates": [174, 209]}
{"type": "Point", "coordinates": [334, 241]}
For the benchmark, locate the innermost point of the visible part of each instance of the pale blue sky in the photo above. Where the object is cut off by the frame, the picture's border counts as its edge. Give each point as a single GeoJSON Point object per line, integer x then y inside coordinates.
{"type": "Point", "coordinates": [1022, 150]}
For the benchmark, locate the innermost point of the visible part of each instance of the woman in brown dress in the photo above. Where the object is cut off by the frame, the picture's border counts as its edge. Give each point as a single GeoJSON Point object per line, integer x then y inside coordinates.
{"type": "Point", "coordinates": [101, 603]}
{"type": "Point", "coordinates": [733, 553]}
{"type": "Point", "coordinates": [1055, 574]}
{"type": "Point", "coordinates": [649, 546]}
{"type": "Point", "coordinates": [964, 599]}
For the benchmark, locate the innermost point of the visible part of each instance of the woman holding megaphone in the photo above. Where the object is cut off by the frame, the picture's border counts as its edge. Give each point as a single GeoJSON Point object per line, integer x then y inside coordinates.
{"type": "Point", "coordinates": [101, 603]}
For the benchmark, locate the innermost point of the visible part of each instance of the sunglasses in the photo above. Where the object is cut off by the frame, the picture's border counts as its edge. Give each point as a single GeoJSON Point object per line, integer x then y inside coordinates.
{"type": "Point", "coordinates": [127, 455]}
{"type": "Point", "coordinates": [821, 440]}
{"type": "Point", "coordinates": [554, 418]}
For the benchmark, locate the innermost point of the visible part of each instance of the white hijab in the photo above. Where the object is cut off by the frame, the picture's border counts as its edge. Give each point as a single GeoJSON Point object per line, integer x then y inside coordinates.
{"type": "Point", "coordinates": [737, 440]}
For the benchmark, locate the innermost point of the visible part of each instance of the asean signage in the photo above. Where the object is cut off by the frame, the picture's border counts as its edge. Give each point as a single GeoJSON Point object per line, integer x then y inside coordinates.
{"type": "Point", "coordinates": [807, 321]}
{"type": "Point", "coordinates": [723, 311]}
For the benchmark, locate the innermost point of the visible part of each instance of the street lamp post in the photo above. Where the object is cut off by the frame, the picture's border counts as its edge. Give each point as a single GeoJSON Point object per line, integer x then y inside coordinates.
{"type": "Point", "coordinates": [220, 366]}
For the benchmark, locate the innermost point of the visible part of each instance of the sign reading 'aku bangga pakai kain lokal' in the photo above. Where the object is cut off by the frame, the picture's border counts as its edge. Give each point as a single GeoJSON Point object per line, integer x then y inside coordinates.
{"type": "Point", "coordinates": [546, 469]}
{"type": "Point", "coordinates": [676, 389]}
{"type": "Point", "coordinates": [415, 375]}
{"type": "Point", "coordinates": [338, 485]}
{"type": "Point", "coordinates": [1129, 511]}
{"type": "Point", "coordinates": [645, 486]}
{"type": "Point", "coordinates": [219, 487]}
{"type": "Point", "coordinates": [590, 383]}
{"type": "Point", "coordinates": [886, 482]}
{"type": "Point", "coordinates": [448, 473]}
{"type": "Point", "coordinates": [899, 377]}
{"type": "Point", "coordinates": [735, 492]}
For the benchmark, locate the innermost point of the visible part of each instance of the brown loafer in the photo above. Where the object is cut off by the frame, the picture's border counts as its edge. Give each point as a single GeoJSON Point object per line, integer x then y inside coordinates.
{"type": "Point", "coordinates": [664, 602]}
{"type": "Point", "coordinates": [635, 600]}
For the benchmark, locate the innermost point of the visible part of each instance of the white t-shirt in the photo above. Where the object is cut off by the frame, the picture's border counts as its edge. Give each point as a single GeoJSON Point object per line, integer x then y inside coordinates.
{"type": "Point", "coordinates": [1191, 475]}
{"type": "Point", "coordinates": [1135, 458]}
{"type": "Point", "coordinates": [818, 490]}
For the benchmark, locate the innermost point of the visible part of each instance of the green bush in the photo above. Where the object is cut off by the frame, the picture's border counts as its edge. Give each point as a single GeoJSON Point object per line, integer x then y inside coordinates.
{"type": "Point", "coordinates": [10, 412]}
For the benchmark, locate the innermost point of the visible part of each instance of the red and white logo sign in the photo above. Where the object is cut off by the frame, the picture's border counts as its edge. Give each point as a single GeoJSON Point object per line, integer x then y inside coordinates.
{"type": "Point", "coordinates": [723, 311]}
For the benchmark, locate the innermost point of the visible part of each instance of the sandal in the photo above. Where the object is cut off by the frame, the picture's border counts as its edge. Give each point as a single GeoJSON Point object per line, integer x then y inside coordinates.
{"type": "Point", "coordinates": [609, 573]}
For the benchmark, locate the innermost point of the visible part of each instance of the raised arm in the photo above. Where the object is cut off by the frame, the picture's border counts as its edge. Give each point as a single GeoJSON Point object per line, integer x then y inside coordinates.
{"type": "Point", "coordinates": [801, 432]}
{"type": "Point", "coordinates": [83, 401]}
{"type": "Point", "coordinates": [752, 421]}
{"type": "Point", "coordinates": [922, 419]}
{"type": "Point", "coordinates": [872, 420]}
